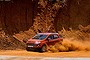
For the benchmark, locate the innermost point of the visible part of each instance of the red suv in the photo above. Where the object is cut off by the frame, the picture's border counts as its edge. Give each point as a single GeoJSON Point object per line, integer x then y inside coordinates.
{"type": "Point", "coordinates": [41, 40]}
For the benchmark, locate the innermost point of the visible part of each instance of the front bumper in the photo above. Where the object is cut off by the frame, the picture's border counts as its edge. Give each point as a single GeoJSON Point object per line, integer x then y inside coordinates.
{"type": "Point", "coordinates": [33, 46]}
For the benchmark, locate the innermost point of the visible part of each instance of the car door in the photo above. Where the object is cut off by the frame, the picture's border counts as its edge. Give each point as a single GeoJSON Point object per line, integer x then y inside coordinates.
{"type": "Point", "coordinates": [53, 39]}
{"type": "Point", "coordinates": [56, 38]}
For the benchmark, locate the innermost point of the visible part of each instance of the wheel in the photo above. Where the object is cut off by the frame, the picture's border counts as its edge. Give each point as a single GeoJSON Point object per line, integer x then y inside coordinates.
{"type": "Point", "coordinates": [44, 48]}
{"type": "Point", "coordinates": [28, 49]}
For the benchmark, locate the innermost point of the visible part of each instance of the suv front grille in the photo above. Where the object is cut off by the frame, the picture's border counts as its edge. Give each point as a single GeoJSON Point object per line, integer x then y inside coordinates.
{"type": "Point", "coordinates": [31, 44]}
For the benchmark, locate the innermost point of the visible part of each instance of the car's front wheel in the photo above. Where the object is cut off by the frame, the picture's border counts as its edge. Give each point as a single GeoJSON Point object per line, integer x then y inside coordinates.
{"type": "Point", "coordinates": [27, 48]}
{"type": "Point", "coordinates": [44, 48]}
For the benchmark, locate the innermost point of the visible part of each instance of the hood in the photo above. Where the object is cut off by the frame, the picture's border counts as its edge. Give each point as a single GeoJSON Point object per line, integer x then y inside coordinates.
{"type": "Point", "coordinates": [33, 41]}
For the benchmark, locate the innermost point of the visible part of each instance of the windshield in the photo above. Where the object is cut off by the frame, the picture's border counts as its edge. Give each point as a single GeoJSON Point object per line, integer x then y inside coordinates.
{"type": "Point", "coordinates": [39, 36]}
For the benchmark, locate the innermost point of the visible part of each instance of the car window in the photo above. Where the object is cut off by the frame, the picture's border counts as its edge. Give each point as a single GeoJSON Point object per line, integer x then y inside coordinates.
{"type": "Point", "coordinates": [39, 36]}
{"type": "Point", "coordinates": [51, 37]}
{"type": "Point", "coordinates": [56, 36]}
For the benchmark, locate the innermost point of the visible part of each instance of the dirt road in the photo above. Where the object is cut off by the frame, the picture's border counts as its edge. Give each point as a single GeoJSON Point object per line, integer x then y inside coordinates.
{"type": "Point", "coordinates": [46, 54]}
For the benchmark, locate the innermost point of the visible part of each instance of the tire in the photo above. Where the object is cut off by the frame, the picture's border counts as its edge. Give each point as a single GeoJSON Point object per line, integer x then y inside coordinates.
{"type": "Point", "coordinates": [44, 48]}
{"type": "Point", "coordinates": [28, 49]}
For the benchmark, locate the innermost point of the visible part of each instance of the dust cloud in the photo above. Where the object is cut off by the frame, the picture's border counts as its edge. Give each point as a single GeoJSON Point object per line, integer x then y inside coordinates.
{"type": "Point", "coordinates": [71, 45]}
{"type": "Point", "coordinates": [73, 40]}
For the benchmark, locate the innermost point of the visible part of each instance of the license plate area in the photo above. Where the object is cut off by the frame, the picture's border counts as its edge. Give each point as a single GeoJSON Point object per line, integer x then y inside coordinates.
{"type": "Point", "coordinates": [30, 46]}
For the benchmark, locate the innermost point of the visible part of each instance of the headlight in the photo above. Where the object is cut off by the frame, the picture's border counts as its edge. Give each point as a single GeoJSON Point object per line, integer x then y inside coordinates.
{"type": "Point", "coordinates": [37, 42]}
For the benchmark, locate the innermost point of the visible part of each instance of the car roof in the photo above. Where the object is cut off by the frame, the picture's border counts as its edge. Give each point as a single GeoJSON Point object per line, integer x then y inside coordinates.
{"type": "Point", "coordinates": [47, 33]}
